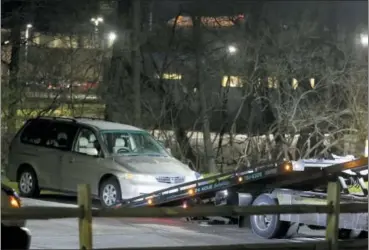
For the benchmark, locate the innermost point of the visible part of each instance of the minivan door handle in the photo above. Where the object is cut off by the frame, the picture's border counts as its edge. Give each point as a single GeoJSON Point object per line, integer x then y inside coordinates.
{"type": "Point", "coordinates": [71, 160]}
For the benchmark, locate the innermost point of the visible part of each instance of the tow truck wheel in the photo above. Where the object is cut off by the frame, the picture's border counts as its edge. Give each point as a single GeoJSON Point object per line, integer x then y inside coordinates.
{"type": "Point", "coordinates": [345, 234]}
{"type": "Point", "coordinates": [268, 226]}
{"type": "Point", "coordinates": [15, 237]}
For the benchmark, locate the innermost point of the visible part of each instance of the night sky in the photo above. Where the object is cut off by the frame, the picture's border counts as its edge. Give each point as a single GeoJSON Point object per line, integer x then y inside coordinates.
{"type": "Point", "coordinates": [40, 12]}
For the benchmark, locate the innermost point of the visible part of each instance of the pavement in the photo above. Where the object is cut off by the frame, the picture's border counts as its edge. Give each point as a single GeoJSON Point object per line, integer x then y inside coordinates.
{"type": "Point", "coordinates": [140, 232]}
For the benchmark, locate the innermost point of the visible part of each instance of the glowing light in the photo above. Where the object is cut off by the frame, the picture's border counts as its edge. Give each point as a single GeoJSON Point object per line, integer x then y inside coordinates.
{"type": "Point", "coordinates": [191, 191]}
{"type": "Point", "coordinates": [14, 202]}
{"type": "Point", "coordinates": [184, 205]}
{"type": "Point", "coordinates": [364, 39]}
{"type": "Point", "coordinates": [97, 20]}
{"type": "Point", "coordinates": [232, 49]}
{"type": "Point", "coordinates": [287, 167]}
{"type": "Point", "coordinates": [112, 36]}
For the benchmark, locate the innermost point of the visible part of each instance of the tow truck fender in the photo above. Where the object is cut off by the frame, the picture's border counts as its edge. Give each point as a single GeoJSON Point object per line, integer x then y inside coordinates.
{"type": "Point", "coordinates": [357, 221]}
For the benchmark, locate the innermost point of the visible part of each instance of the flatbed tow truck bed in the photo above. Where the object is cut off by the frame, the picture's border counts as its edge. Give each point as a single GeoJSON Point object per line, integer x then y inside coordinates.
{"type": "Point", "coordinates": [271, 184]}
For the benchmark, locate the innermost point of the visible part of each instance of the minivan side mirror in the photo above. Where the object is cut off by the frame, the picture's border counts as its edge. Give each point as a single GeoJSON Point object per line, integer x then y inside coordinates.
{"type": "Point", "coordinates": [169, 150]}
{"type": "Point", "coordinates": [91, 151]}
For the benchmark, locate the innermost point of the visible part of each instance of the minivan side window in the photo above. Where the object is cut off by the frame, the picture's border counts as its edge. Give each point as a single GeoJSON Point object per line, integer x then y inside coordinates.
{"type": "Point", "coordinates": [86, 141]}
{"type": "Point", "coordinates": [34, 132]}
{"type": "Point", "coordinates": [60, 135]}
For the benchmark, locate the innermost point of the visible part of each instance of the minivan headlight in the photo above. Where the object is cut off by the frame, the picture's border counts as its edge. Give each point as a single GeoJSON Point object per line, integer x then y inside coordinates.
{"type": "Point", "coordinates": [139, 177]}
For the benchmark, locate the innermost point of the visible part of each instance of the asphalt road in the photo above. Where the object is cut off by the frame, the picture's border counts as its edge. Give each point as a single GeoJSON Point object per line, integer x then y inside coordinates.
{"type": "Point", "coordinates": [140, 232]}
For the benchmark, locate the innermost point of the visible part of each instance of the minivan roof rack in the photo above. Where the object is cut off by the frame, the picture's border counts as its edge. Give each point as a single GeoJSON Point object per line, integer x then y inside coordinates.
{"type": "Point", "coordinates": [88, 117]}
{"type": "Point", "coordinates": [57, 118]}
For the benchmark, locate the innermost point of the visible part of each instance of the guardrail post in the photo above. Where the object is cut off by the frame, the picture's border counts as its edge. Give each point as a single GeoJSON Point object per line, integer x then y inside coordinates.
{"type": "Point", "coordinates": [334, 195]}
{"type": "Point", "coordinates": [85, 219]}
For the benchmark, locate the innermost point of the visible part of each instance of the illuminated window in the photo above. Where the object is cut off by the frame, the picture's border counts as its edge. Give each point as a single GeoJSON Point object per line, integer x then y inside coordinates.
{"type": "Point", "coordinates": [222, 21]}
{"type": "Point", "coordinates": [272, 83]}
{"type": "Point", "coordinates": [295, 83]}
{"type": "Point", "coordinates": [170, 76]}
{"type": "Point", "coordinates": [232, 81]}
{"type": "Point", "coordinates": [312, 83]}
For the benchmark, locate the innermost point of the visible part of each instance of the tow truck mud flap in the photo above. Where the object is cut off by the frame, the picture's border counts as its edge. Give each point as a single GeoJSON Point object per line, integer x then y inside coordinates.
{"type": "Point", "coordinates": [244, 199]}
{"type": "Point", "coordinates": [347, 221]}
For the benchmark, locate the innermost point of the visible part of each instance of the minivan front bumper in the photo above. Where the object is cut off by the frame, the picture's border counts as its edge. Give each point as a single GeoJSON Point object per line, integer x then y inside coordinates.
{"type": "Point", "coordinates": [134, 188]}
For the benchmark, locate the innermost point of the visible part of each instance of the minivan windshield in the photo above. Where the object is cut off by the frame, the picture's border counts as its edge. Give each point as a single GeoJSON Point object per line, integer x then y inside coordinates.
{"type": "Point", "coordinates": [132, 143]}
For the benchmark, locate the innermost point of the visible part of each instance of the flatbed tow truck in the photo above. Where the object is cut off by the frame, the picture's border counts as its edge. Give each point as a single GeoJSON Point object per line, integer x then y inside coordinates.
{"type": "Point", "coordinates": [271, 184]}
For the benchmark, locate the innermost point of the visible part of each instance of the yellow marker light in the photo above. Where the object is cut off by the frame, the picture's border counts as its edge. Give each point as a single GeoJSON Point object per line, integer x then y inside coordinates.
{"type": "Point", "coordinates": [287, 167]}
{"type": "Point", "coordinates": [14, 202]}
{"type": "Point", "coordinates": [240, 179]}
{"type": "Point", "coordinates": [128, 176]}
{"type": "Point", "coordinates": [149, 201]}
{"type": "Point", "coordinates": [191, 191]}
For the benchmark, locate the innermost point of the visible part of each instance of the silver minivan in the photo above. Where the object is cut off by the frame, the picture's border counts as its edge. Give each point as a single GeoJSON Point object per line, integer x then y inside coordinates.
{"type": "Point", "coordinates": [118, 161]}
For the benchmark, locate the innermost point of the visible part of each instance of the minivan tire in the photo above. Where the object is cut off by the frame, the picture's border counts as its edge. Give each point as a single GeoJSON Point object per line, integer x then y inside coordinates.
{"type": "Point", "coordinates": [34, 190]}
{"type": "Point", "coordinates": [111, 184]}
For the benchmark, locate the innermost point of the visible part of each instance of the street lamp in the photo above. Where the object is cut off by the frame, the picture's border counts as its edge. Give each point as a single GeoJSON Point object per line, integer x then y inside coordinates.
{"type": "Point", "coordinates": [28, 27]}
{"type": "Point", "coordinates": [232, 49]}
{"type": "Point", "coordinates": [112, 36]}
{"type": "Point", "coordinates": [96, 21]}
{"type": "Point", "coordinates": [364, 39]}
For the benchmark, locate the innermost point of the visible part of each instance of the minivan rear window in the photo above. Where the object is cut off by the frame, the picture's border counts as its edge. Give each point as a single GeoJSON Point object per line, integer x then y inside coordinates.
{"type": "Point", "coordinates": [34, 132]}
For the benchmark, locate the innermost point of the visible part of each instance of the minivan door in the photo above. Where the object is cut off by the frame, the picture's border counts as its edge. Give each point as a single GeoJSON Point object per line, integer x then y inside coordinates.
{"type": "Point", "coordinates": [82, 165]}
{"type": "Point", "coordinates": [58, 142]}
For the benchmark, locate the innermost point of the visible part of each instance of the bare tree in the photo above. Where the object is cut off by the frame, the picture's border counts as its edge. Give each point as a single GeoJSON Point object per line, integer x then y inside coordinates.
{"type": "Point", "coordinates": [54, 76]}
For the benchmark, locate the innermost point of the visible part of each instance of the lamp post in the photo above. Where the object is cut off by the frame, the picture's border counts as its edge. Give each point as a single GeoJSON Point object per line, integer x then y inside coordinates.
{"type": "Point", "coordinates": [96, 21]}
{"type": "Point", "coordinates": [28, 27]}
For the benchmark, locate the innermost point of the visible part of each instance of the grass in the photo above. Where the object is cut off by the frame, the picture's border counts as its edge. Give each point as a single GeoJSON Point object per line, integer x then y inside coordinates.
{"type": "Point", "coordinates": [14, 185]}
{"type": "Point", "coordinates": [354, 190]}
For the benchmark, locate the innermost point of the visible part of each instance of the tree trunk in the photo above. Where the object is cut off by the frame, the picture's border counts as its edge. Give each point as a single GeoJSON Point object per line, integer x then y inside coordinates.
{"type": "Point", "coordinates": [225, 124]}
{"type": "Point", "coordinates": [117, 64]}
{"type": "Point", "coordinates": [14, 87]}
{"type": "Point", "coordinates": [136, 63]}
{"type": "Point", "coordinates": [209, 152]}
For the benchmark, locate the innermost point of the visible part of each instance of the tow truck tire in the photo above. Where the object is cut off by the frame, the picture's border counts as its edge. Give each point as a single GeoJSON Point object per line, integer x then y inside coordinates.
{"type": "Point", "coordinates": [345, 234]}
{"type": "Point", "coordinates": [15, 237]}
{"type": "Point", "coordinates": [268, 226]}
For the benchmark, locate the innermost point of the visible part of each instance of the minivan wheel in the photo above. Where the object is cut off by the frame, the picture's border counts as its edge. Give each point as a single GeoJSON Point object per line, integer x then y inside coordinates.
{"type": "Point", "coordinates": [28, 183]}
{"type": "Point", "coordinates": [110, 193]}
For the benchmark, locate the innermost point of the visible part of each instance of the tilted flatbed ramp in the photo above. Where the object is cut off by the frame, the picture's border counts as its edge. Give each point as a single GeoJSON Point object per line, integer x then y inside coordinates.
{"type": "Point", "coordinates": [283, 174]}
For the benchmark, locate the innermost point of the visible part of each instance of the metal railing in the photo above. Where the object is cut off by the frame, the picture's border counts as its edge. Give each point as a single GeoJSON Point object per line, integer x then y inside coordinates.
{"type": "Point", "coordinates": [85, 213]}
